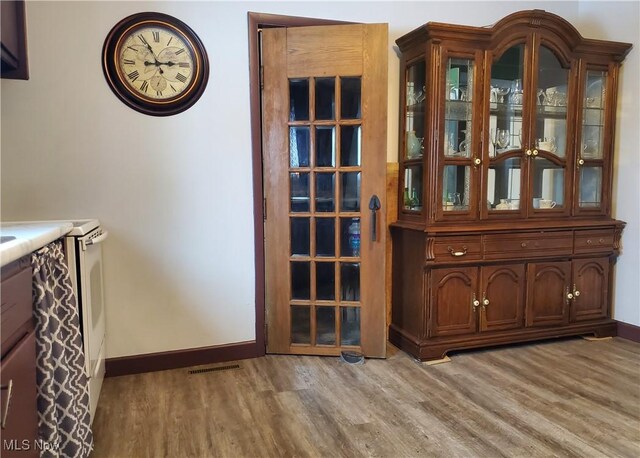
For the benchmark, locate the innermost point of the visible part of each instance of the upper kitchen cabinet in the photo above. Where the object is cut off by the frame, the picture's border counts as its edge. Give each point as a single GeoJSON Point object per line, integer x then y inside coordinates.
{"type": "Point", "coordinates": [513, 121]}
{"type": "Point", "coordinates": [13, 40]}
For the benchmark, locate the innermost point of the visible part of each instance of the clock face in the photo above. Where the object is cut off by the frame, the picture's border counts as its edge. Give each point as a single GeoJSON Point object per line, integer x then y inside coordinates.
{"type": "Point", "coordinates": [155, 64]}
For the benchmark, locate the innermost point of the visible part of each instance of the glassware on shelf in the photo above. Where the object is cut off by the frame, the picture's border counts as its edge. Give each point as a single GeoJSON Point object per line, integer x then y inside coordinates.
{"type": "Point", "coordinates": [516, 92]}
{"type": "Point", "coordinates": [542, 97]}
{"type": "Point", "coordinates": [493, 95]}
{"type": "Point", "coordinates": [453, 201]}
{"type": "Point", "coordinates": [414, 202]}
{"type": "Point", "coordinates": [450, 144]}
{"type": "Point", "coordinates": [502, 137]}
{"type": "Point", "coordinates": [464, 144]}
{"type": "Point", "coordinates": [503, 205]}
{"type": "Point", "coordinates": [502, 92]}
{"type": "Point", "coordinates": [414, 145]}
{"type": "Point", "coordinates": [547, 144]}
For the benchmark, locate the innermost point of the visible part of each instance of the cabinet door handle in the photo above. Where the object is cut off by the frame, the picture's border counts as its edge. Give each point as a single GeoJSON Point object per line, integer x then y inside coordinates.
{"type": "Point", "coordinates": [485, 301]}
{"type": "Point", "coordinates": [457, 253]}
{"type": "Point", "coordinates": [576, 293]}
{"type": "Point", "coordinates": [535, 152]}
{"type": "Point", "coordinates": [477, 161]}
{"type": "Point", "coordinates": [528, 152]}
{"type": "Point", "coordinates": [580, 161]}
{"type": "Point", "coordinates": [475, 302]}
{"type": "Point", "coordinates": [9, 388]}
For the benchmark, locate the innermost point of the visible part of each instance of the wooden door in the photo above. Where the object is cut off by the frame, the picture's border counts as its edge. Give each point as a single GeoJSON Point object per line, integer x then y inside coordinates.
{"type": "Point", "coordinates": [324, 149]}
{"type": "Point", "coordinates": [502, 302]}
{"type": "Point", "coordinates": [548, 284]}
{"type": "Point", "coordinates": [453, 292]}
{"type": "Point", "coordinates": [590, 289]}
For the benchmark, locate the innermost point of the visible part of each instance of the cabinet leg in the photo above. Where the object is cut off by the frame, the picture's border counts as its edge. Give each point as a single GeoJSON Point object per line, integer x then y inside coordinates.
{"type": "Point", "coordinates": [433, 362]}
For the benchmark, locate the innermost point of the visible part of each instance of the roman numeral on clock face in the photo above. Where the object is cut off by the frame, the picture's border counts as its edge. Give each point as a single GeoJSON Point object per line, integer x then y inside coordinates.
{"type": "Point", "coordinates": [156, 37]}
{"type": "Point", "coordinates": [133, 75]}
{"type": "Point", "coordinates": [129, 62]}
{"type": "Point", "coordinates": [169, 41]}
{"type": "Point", "coordinates": [144, 42]}
{"type": "Point", "coordinates": [180, 77]}
{"type": "Point", "coordinates": [183, 64]}
{"type": "Point", "coordinates": [159, 93]}
{"type": "Point", "coordinates": [179, 51]}
{"type": "Point", "coordinates": [174, 89]}
{"type": "Point", "coordinates": [144, 86]}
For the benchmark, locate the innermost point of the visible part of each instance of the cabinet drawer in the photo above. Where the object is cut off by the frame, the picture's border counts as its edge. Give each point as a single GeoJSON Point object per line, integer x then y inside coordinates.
{"type": "Point", "coordinates": [538, 244]}
{"type": "Point", "coordinates": [447, 249]}
{"type": "Point", "coordinates": [594, 241]}
{"type": "Point", "coordinates": [16, 307]}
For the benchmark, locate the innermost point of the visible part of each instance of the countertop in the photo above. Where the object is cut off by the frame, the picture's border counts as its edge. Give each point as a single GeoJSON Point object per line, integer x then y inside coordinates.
{"type": "Point", "coordinates": [29, 237]}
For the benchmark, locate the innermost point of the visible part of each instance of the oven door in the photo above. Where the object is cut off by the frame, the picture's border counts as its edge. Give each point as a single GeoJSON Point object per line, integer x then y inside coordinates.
{"type": "Point", "coordinates": [92, 302]}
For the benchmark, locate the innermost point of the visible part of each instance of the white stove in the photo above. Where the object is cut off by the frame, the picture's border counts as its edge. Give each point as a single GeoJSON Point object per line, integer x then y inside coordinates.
{"type": "Point", "coordinates": [84, 254]}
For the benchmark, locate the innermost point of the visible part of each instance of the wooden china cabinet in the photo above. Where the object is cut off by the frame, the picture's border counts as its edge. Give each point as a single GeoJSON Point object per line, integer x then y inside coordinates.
{"type": "Point", "coordinates": [504, 232]}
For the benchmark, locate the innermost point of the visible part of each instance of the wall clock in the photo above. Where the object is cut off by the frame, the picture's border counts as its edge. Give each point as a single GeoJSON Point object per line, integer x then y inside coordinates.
{"type": "Point", "coordinates": [155, 63]}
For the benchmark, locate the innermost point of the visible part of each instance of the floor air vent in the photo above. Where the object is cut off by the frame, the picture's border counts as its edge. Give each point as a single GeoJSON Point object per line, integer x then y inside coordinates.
{"type": "Point", "coordinates": [215, 369]}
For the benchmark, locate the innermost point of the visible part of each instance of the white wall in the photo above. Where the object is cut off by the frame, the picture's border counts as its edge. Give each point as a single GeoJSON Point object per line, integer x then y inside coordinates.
{"type": "Point", "coordinates": [175, 193]}
{"type": "Point", "coordinates": [619, 21]}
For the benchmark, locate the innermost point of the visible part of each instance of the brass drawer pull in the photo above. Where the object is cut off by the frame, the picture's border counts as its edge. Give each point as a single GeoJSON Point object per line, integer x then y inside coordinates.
{"type": "Point", "coordinates": [601, 241]}
{"type": "Point", "coordinates": [523, 244]}
{"type": "Point", "coordinates": [589, 242]}
{"type": "Point", "coordinates": [457, 253]}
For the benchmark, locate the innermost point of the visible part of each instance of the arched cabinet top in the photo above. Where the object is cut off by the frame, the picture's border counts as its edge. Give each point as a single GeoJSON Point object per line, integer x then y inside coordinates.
{"type": "Point", "coordinates": [513, 27]}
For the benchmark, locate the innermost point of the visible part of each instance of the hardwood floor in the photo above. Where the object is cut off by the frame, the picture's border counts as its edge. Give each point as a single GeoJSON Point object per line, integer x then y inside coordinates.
{"type": "Point", "coordinates": [560, 398]}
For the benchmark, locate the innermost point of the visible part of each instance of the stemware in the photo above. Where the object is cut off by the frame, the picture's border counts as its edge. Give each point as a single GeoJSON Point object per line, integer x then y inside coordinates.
{"type": "Point", "coordinates": [502, 92]}
{"type": "Point", "coordinates": [502, 137]}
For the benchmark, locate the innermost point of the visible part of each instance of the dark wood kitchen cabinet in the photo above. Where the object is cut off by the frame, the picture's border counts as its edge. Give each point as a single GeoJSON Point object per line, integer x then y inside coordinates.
{"type": "Point", "coordinates": [504, 230]}
{"type": "Point", "coordinates": [13, 40]}
{"type": "Point", "coordinates": [18, 406]}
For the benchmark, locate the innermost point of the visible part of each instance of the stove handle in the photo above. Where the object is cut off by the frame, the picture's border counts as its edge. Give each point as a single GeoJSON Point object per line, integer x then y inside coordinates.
{"type": "Point", "coordinates": [99, 239]}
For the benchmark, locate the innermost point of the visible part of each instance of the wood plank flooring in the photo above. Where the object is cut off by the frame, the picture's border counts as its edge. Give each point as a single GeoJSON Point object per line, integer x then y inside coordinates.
{"type": "Point", "coordinates": [560, 398]}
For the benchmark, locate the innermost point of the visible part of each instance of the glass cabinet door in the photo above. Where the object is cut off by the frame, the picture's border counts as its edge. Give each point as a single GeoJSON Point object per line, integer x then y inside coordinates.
{"type": "Point", "coordinates": [458, 142]}
{"type": "Point", "coordinates": [458, 146]}
{"type": "Point", "coordinates": [590, 149]}
{"type": "Point", "coordinates": [549, 145]}
{"type": "Point", "coordinates": [507, 133]}
{"type": "Point", "coordinates": [412, 147]}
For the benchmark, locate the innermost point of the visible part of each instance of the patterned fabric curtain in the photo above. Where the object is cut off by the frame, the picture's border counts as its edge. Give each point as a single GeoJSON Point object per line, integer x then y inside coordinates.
{"type": "Point", "coordinates": [64, 419]}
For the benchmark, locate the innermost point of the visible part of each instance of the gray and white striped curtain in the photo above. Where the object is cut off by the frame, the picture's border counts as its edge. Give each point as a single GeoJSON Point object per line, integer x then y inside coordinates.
{"type": "Point", "coordinates": [64, 419]}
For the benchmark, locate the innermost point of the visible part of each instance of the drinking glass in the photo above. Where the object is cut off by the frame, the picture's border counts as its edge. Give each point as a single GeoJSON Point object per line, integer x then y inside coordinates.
{"type": "Point", "coordinates": [502, 138]}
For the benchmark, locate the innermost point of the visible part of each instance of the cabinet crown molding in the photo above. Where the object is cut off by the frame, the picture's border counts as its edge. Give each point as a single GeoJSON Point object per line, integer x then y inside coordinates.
{"type": "Point", "coordinates": [512, 25]}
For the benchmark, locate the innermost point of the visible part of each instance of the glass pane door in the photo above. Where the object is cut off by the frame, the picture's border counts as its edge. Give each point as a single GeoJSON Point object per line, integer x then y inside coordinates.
{"type": "Point", "coordinates": [507, 106]}
{"type": "Point", "coordinates": [457, 145]}
{"type": "Point", "coordinates": [591, 146]}
{"type": "Point", "coordinates": [325, 176]}
{"type": "Point", "coordinates": [550, 140]}
{"type": "Point", "coordinates": [413, 150]}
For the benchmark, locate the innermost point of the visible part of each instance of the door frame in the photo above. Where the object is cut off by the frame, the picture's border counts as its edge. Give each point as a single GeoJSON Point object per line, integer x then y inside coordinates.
{"type": "Point", "coordinates": [256, 22]}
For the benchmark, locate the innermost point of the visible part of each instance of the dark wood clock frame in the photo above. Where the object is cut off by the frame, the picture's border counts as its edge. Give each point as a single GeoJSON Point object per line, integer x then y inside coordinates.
{"type": "Point", "coordinates": [115, 79]}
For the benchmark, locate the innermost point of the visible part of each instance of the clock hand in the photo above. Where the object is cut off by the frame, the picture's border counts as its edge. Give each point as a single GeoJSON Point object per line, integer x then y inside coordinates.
{"type": "Point", "coordinates": [156, 63]}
